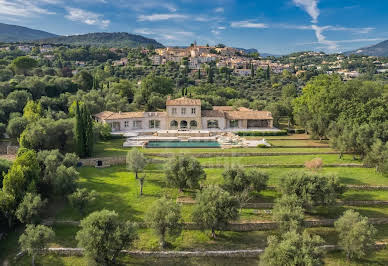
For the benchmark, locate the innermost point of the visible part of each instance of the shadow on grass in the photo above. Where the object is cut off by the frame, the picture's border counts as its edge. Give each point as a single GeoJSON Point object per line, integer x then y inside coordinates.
{"type": "Point", "coordinates": [350, 181]}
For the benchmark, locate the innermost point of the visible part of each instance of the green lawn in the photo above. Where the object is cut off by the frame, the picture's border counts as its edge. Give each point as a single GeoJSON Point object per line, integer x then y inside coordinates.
{"type": "Point", "coordinates": [118, 190]}
{"type": "Point", "coordinates": [301, 143]}
{"type": "Point", "coordinates": [277, 160]}
{"type": "Point", "coordinates": [115, 148]}
{"type": "Point", "coordinates": [196, 240]}
{"type": "Point", "coordinates": [346, 175]}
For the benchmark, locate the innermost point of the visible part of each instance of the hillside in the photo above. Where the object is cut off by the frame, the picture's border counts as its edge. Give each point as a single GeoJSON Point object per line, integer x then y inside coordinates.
{"type": "Point", "coordinates": [13, 33]}
{"type": "Point", "coordinates": [380, 49]}
{"type": "Point", "coordinates": [117, 39]}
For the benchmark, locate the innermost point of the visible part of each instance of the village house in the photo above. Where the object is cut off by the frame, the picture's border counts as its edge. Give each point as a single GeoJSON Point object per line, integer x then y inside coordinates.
{"type": "Point", "coordinates": [186, 114]}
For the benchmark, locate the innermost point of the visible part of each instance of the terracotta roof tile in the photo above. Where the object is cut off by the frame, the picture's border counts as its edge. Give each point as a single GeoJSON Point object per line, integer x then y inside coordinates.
{"type": "Point", "coordinates": [124, 115]}
{"type": "Point", "coordinates": [183, 101]}
{"type": "Point", "coordinates": [104, 114]}
{"type": "Point", "coordinates": [249, 115]}
{"type": "Point", "coordinates": [212, 113]}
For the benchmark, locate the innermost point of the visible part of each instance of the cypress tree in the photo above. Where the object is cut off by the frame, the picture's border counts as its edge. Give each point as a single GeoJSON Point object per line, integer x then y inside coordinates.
{"type": "Point", "coordinates": [268, 73]}
{"type": "Point", "coordinates": [252, 71]}
{"type": "Point", "coordinates": [79, 132]}
{"type": "Point", "coordinates": [89, 134]}
{"type": "Point", "coordinates": [199, 73]}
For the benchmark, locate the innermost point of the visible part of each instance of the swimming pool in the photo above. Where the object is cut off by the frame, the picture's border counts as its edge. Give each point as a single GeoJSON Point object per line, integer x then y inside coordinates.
{"type": "Point", "coordinates": [183, 144]}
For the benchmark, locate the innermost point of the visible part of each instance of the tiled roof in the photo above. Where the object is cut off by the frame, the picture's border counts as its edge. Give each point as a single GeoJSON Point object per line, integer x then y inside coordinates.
{"type": "Point", "coordinates": [107, 115]}
{"type": "Point", "coordinates": [124, 115]}
{"type": "Point", "coordinates": [183, 101]}
{"type": "Point", "coordinates": [249, 115]}
{"type": "Point", "coordinates": [231, 108]}
{"type": "Point", "coordinates": [212, 113]}
{"type": "Point", "coordinates": [104, 114]}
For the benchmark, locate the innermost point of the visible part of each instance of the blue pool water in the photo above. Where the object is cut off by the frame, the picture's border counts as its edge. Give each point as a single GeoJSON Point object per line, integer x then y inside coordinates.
{"type": "Point", "coordinates": [183, 144]}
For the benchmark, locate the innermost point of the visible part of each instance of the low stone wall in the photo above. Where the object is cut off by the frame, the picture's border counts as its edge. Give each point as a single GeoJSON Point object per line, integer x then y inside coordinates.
{"type": "Point", "coordinates": [241, 253]}
{"type": "Point", "coordinates": [205, 165]}
{"type": "Point", "coordinates": [111, 161]}
{"type": "Point", "coordinates": [12, 150]}
{"type": "Point", "coordinates": [237, 154]}
{"type": "Point", "coordinates": [366, 187]}
{"type": "Point", "coordinates": [242, 226]}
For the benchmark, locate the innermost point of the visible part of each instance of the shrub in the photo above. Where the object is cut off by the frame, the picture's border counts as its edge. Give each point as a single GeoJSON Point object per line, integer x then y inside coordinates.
{"type": "Point", "coordinates": [261, 133]}
{"type": "Point", "coordinates": [314, 165]}
{"type": "Point", "coordinates": [262, 146]}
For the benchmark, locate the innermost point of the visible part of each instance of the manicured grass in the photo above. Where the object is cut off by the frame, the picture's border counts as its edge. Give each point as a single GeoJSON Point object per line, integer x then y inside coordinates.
{"type": "Point", "coordinates": [119, 190]}
{"type": "Point", "coordinates": [346, 175]}
{"type": "Point", "coordinates": [301, 143]}
{"type": "Point", "coordinates": [277, 160]}
{"type": "Point", "coordinates": [54, 260]}
{"type": "Point", "coordinates": [115, 148]}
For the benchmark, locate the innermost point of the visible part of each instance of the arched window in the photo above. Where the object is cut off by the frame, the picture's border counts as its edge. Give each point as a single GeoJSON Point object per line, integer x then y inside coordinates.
{"type": "Point", "coordinates": [193, 124]}
{"type": "Point", "coordinates": [212, 123]}
{"type": "Point", "coordinates": [183, 124]}
{"type": "Point", "coordinates": [173, 124]}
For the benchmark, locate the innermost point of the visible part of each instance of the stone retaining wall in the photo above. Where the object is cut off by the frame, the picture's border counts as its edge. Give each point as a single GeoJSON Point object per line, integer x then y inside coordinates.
{"type": "Point", "coordinates": [242, 226]}
{"type": "Point", "coordinates": [205, 165]}
{"type": "Point", "coordinates": [237, 154]}
{"type": "Point", "coordinates": [244, 253]}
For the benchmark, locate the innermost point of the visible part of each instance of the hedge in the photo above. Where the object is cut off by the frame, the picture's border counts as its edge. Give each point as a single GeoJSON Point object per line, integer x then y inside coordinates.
{"type": "Point", "coordinates": [296, 131]}
{"type": "Point", "coordinates": [261, 133]}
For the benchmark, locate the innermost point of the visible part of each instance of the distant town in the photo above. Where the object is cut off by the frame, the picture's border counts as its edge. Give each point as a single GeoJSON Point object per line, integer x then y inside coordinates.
{"type": "Point", "coordinates": [196, 57]}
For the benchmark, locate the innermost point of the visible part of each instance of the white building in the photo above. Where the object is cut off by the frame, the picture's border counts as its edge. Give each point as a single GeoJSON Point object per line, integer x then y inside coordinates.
{"type": "Point", "coordinates": [186, 114]}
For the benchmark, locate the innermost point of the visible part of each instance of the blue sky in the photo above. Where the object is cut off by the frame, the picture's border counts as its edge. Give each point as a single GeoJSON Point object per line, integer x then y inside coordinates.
{"type": "Point", "coordinates": [271, 26]}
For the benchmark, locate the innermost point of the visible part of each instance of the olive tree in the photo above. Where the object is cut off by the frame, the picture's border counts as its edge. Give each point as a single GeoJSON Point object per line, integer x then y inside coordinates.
{"type": "Point", "coordinates": [184, 172]}
{"type": "Point", "coordinates": [311, 188]}
{"type": "Point", "coordinates": [29, 209]}
{"type": "Point", "coordinates": [356, 234]}
{"type": "Point", "coordinates": [103, 236]}
{"type": "Point", "coordinates": [81, 198]}
{"type": "Point", "coordinates": [215, 209]}
{"type": "Point", "coordinates": [35, 239]}
{"type": "Point", "coordinates": [7, 207]}
{"type": "Point", "coordinates": [288, 213]}
{"type": "Point", "coordinates": [136, 161]}
{"type": "Point", "coordinates": [164, 216]}
{"type": "Point", "coordinates": [293, 248]}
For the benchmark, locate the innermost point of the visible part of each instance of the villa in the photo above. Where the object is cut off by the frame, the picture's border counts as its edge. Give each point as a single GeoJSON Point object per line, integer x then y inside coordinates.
{"type": "Point", "coordinates": [185, 114]}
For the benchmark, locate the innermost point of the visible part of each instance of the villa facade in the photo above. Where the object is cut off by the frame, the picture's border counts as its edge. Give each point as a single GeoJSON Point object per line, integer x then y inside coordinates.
{"type": "Point", "coordinates": [186, 114]}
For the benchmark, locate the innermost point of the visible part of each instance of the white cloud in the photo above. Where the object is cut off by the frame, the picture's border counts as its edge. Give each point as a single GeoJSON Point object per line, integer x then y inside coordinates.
{"type": "Point", "coordinates": [167, 34]}
{"type": "Point", "coordinates": [221, 28]}
{"type": "Point", "coordinates": [311, 7]}
{"type": "Point", "coordinates": [219, 10]}
{"type": "Point", "coordinates": [159, 17]}
{"type": "Point", "coordinates": [87, 17]}
{"type": "Point", "coordinates": [248, 24]}
{"type": "Point", "coordinates": [20, 8]}
{"type": "Point", "coordinates": [331, 45]}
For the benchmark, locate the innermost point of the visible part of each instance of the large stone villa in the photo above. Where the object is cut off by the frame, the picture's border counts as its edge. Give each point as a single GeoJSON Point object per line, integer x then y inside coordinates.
{"type": "Point", "coordinates": [185, 114]}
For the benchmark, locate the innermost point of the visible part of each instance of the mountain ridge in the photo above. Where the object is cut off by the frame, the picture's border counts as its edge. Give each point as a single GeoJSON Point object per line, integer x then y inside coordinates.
{"type": "Point", "coordinates": [379, 49]}
{"type": "Point", "coordinates": [15, 33]}
{"type": "Point", "coordinates": [108, 39]}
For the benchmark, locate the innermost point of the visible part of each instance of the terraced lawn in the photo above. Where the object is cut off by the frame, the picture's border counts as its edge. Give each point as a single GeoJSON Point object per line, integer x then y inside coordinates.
{"type": "Point", "coordinates": [277, 160]}
{"type": "Point", "coordinates": [115, 148]}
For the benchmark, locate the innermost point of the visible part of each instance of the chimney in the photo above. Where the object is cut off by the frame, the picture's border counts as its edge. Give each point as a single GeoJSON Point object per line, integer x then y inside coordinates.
{"type": "Point", "coordinates": [168, 97]}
